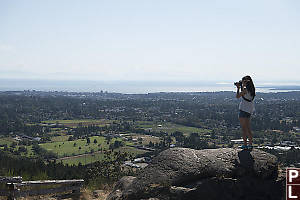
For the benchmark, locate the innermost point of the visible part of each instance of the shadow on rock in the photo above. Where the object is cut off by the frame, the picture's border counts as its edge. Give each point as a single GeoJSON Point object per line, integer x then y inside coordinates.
{"type": "Point", "coordinates": [246, 159]}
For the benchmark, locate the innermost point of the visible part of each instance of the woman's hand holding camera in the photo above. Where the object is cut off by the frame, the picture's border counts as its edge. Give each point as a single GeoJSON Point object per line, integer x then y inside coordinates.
{"type": "Point", "coordinates": [238, 84]}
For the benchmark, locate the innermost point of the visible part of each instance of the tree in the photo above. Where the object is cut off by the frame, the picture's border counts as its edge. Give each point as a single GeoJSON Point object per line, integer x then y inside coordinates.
{"type": "Point", "coordinates": [13, 145]}
{"type": "Point", "coordinates": [178, 136]}
{"type": "Point", "coordinates": [168, 140]}
{"type": "Point", "coordinates": [118, 144]}
{"type": "Point", "coordinates": [108, 138]}
{"type": "Point", "coordinates": [22, 149]}
{"type": "Point", "coordinates": [150, 144]}
{"type": "Point", "coordinates": [140, 140]}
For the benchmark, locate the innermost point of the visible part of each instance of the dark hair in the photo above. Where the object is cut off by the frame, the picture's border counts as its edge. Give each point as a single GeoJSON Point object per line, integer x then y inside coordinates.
{"type": "Point", "coordinates": [250, 86]}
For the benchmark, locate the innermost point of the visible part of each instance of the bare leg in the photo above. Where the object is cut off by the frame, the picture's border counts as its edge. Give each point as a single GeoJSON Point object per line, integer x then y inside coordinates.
{"type": "Point", "coordinates": [244, 129]}
{"type": "Point", "coordinates": [249, 132]}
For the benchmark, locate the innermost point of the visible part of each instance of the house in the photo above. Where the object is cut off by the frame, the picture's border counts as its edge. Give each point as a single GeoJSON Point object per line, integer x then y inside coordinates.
{"type": "Point", "coordinates": [37, 139]}
{"type": "Point", "coordinates": [287, 143]}
{"type": "Point", "coordinates": [17, 138]}
{"type": "Point", "coordinates": [297, 129]}
{"type": "Point", "coordinates": [142, 160]}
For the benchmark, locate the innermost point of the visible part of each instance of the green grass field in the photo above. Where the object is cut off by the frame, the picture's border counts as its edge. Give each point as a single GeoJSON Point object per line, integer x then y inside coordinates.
{"type": "Point", "coordinates": [76, 121]}
{"type": "Point", "coordinates": [63, 148]}
{"type": "Point", "coordinates": [87, 159]}
{"type": "Point", "coordinates": [171, 127]}
{"type": "Point", "coordinates": [6, 140]}
{"type": "Point", "coordinates": [146, 138]}
{"type": "Point", "coordinates": [71, 148]}
{"type": "Point", "coordinates": [61, 138]}
{"type": "Point", "coordinates": [84, 122]}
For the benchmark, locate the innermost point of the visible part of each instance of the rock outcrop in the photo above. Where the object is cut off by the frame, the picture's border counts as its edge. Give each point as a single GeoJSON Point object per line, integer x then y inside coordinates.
{"type": "Point", "coordinates": [181, 173]}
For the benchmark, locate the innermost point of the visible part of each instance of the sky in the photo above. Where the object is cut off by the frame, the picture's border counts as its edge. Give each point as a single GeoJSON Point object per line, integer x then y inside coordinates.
{"type": "Point", "coordinates": [150, 40]}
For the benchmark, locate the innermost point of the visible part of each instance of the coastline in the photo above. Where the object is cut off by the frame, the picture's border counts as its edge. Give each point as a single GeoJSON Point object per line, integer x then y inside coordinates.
{"type": "Point", "coordinates": [133, 87]}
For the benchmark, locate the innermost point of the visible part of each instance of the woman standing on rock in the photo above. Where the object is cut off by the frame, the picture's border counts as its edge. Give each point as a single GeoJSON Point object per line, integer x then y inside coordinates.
{"type": "Point", "coordinates": [246, 108]}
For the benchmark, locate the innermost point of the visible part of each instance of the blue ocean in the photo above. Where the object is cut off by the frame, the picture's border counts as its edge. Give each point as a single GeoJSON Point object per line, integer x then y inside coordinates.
{"type": "Point", "coordinates": [133, 87]}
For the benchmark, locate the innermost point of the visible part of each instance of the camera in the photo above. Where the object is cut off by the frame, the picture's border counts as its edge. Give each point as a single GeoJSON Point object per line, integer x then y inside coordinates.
{"type": "Point", "coordinates": [238, 83]}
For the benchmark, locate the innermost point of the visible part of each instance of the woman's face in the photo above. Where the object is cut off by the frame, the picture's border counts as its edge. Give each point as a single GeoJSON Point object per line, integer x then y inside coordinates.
{"type": "Point", "coordinates": [244, 82]}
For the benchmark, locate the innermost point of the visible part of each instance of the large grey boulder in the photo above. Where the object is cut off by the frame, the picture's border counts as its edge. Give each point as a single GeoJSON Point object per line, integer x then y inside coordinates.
{"type": "Point", "coordinates": [181, 173]}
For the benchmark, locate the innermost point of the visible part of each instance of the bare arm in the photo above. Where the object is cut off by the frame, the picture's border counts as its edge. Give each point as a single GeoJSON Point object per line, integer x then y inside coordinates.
{"type": "Point", "coordinates": [242, 93]}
